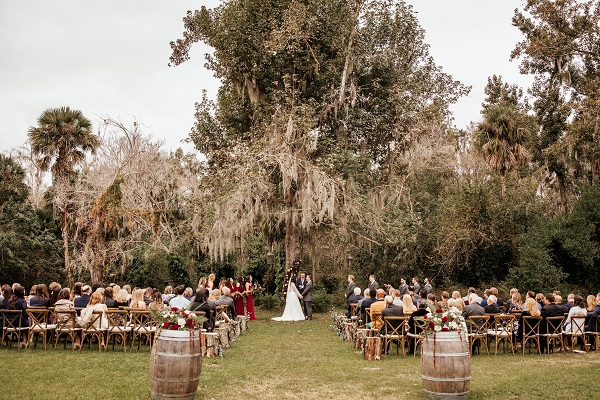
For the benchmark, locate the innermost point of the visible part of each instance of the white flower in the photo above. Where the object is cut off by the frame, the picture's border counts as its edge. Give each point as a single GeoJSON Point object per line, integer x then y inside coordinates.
{"type": "Point", "coordinates": [437, 328]}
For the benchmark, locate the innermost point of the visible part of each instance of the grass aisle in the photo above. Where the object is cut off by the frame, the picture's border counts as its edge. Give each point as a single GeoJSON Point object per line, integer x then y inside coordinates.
{"type": "Point", "coordinates": [290, 360]}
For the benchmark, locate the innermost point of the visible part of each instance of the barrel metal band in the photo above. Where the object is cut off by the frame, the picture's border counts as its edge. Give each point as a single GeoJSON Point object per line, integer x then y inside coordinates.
{"type": "Point", "coordinates": [431, 378]}
{"type": "Point", "coordinates": [430, 353]}
{"type": "Point", "coordinates": [446, 395]}
{"type": "Point", "coordinates": [177, 380]}
{"type": "Point", "coordinates": [160, 353]}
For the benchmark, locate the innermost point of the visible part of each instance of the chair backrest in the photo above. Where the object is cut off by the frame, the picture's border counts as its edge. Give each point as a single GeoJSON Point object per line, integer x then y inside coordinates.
{"type": "Point", "coordinates": [353, 309]}
{"type": "Point", "coordinates": [117, 318]}
{"type": "Point", "coordinates": [141, 320]}
{"type": "Point", "coordinates": [577, 326]}
{"type": "Point", "coordinates": [95, 323]}
{"type": "Point", "coordinates": [394, 326]}
{"type": "Point", "coordinates": [504, 323]}
{"type": "Point", "coordinates": [554, 325]}
{"type": "Point", "coordinates": [38, 318]}
{"type": "Point", "coordinates": [419, 325]}
{"type": "Point", "coordinates": [531, 325]}
{"type": "Point", "coordinates": [367, 314]}
{"type": "Point", "coordinates": [479, 324]}
{"type": "Point", "coordinates": [12, 319]}
{"type": "Point", "coordinates": [66, 319]}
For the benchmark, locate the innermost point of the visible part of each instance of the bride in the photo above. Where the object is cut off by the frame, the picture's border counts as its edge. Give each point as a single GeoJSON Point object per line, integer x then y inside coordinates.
{"type": "Point", "coordinates": [293, 310]}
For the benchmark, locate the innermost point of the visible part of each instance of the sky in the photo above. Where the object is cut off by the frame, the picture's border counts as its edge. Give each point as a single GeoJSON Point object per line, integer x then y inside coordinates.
{"type": "Point", "coordinates": [110, 58]}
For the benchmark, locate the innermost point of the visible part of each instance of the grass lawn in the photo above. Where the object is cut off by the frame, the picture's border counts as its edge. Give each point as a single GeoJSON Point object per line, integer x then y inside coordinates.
{"type": "Point", "coordinates": [290, 360]}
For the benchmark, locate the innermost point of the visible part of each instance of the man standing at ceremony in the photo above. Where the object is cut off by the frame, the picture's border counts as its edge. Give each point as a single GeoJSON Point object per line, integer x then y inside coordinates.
{"type": "Point", "coordinates": [428, 286]}
{"type": "Point", "coordinates": [373, 283]}
{"type": "Point", "coordinates": [416, 288]}
{"type": "Point", "coordinates": [350, 288]}
{"type": "Point", "coordinates": [301, 282]}
{"type": "Point", "coordinates": [306, 297]}
{"type": "Point", "coordinates": [403, 287]}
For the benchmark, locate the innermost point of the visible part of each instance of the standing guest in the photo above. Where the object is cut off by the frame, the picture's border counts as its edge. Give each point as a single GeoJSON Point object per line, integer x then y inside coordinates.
{"type": "Point", "coordinates": [41, 297]}
{"type": "Point", "coordinates": [202, 282]}
{"type": "Point", "coordinates": [427, 286]}
{"type": "Point", "coordinates": [77, 290]}
{"type": "Point", "coordinates": [168, 294]}
{"type": "Point", "coordinates": [416, 288]}
{"type": "Point", "coordinates": [238, 296]}
{"type": "Point", "coordinates": [83, 300]}
{"type": "Point", "coordinates": [222, 284]}
{"type": "Point", "coordinates": [108, 298]}
{"type": "Point", "coordinates": [179, 301]}
{"type": "Point", "coordinates": [65, 304]}
{"type": "Point", "coordinates": [17, 302]}
{"type": "Point", "coordinates": [349, 289]}
{"type": "Point", "coordinates": [230, 285]}
{"type": "Point", "coordinates": [137, 300]}
{"type": "Point", "coordinates": [403, 287]}
{"type": "Point", "coordinates": [210, 284]}
{"type": "Point", "coordinates": [121, 299]}
{"type": "Point", "coordinates": [250, 299]}
{"type": "Point", "coordinates": [373, 283]}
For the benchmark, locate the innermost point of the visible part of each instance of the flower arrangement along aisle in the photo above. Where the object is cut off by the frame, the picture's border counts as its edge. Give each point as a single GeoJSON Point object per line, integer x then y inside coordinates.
{"type": "Point", "coordinates": [442, 320]}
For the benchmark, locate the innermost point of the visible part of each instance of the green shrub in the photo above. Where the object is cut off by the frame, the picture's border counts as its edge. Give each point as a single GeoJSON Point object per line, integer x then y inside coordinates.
{"type": "Point", "coordinates": [321, 301]}
{"type": "Point", "coordinates": [267, 301]}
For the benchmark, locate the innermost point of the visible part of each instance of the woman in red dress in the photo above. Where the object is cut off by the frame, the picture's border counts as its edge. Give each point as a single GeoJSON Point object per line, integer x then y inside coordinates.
{"type": "Point", "coordinates": [249, 299]}
{"type": "Point", "coordinates": [238, 296]}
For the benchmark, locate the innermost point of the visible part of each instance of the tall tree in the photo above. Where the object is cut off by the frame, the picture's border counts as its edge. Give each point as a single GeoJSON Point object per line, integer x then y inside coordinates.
{"type": "Point", "coordinates": [560, 48]}
{"type": "Point", "coordinates": [318, 97]}
{"type": "Point", "coordinates": [62, 139]}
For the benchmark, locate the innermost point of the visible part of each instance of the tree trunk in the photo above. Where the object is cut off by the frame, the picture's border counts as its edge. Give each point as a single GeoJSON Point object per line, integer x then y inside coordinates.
{"type": "Point", "coordinates": [65, 237]}
{"type": "Point", "coordinates": [563, 194]}
{"type": "Point", "coordinates": [292, 230]}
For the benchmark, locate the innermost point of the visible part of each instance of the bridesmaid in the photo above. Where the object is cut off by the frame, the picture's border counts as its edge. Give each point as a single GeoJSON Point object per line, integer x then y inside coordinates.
{"type": "Point", "coordinates": [238, 300]}
{"type": "Point", "coordinates": [249, 299]}
{"type": "Point", "coordinates": [211, 282]}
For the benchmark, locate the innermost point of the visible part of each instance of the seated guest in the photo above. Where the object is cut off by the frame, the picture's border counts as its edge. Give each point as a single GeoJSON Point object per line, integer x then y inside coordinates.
{"type": "Point", "coordinates": [540, 300]}
{"type": "Point", "coordinates": [189, 292]}
{"type": "Point", "coordinates": [515, 303]}
{"type": "Point", "coordinates": [65, 304]}
{"type": "Point", "coordinates": [591, 325]}
{"type": "Point", "coordinates": [570, 301]}
{"type": "Point", "coordinates": [121, 299]}
{"type": "Point", "coordinates": [157, 301]}
{"type": "Point", "coordinates": [148, 296]}
{"type": "Point", "coordinates": [486, 294]}
{"type": "Point", "coordinates": [473, 308]}
{"type": "Point", "coordinates": [577, 310]}
{"type": "Point", "coordinates": [168, 294]}
{"type": "Point", "coordinates": [366, 294]}
{"type": "Point", "coordinates": [179, 301]}
{"type": "Point", "coordinates": [407, 305]}
{"type": "Point", "coordinates": [41, 298]}
{"type": "Point", "coordinates": [108, 298]}
{"type": "Point", "coordinates": [396, 298]}
{"type": "Point", "coordinates": [83, 300]}
{"type": "Point", "coordinates": [55, 289]}
{"type": "Point", "coordinates": [558, 301]}
{"type": "Point", "coordinates": [391, 310]}
{"type": "Point", "coordinates": [499, 301]}
{"type": "Point", "coordinates": [200, 304]}
{"type": "Point", "coordinates": [77, 290]}
{"type": "Point", "coordinates": [96, 304]}
{"type": "Point", "coordinates": [354, 298]}
{"type": "Point", "coordinates": [212, 305]}
{"type": "Point", "coordinates": [226, 300]}
{"type": "Point", "coordinates": [445, 296]}
{"type": "Point", "coordinates": [137, 299]}
{"type": "Point", "coordinates": [530, 309]}
{"type": "Point", "coordinates": [491, 306]}
{"type": "Point", "coordinates": [376, 308]}
{"type": "Point", "coordinates": [366, 303]}
{"type": "Point", "coordinates": [421, 311]}
{"type": "Point", "coordinates": [17, 302]}
{"type": "Point", "coordinates": [550, 309]}
{"type": "Point", "coordinates": [510, 296]}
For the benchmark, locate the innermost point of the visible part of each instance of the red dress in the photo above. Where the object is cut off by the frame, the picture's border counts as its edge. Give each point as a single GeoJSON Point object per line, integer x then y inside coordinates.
{"type": "Point", "coordinates": [238, 301]}
{"type": "Point", "coordinates": [250, 303]}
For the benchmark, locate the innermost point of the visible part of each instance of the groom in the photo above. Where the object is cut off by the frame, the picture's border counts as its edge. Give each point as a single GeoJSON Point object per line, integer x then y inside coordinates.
{"type": "Point", "coordinates": [306, 296]}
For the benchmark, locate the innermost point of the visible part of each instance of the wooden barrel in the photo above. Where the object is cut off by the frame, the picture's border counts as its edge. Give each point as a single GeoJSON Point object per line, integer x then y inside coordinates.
{"type": "Point", "coordinates": [446, 366]}
{"type": "Point", "coordinates": [175, 365]}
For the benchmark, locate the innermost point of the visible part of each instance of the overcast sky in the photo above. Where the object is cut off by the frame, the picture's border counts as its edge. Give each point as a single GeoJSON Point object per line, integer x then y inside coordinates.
{"type": "Point", "coordinates": [110, 58]}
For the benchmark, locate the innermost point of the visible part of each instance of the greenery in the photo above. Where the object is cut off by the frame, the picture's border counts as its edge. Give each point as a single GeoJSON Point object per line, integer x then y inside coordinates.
{"type": "Point", "coordinates": [278, 360]}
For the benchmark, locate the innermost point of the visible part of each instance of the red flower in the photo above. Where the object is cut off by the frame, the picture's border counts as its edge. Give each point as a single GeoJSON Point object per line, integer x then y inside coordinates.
{"type": "Point", "coordinates": [431, 325]}
{"type": "Point", "coordinates": [174, 309]}
{"type": "Point", "coordinates": [425, 316]}
{"type": "Point", "coordinates": [166, 324]}
{"type": "Point", "coordinates": [174, 327]}
{"type": "Point", "coordinates": [438, 310]}
{"type": "Point", "coordinates": [444, 329]}
{"type": "Point", "coordinates": [444, 319]}
{"type": "Point", "coordinates": [190, 323]}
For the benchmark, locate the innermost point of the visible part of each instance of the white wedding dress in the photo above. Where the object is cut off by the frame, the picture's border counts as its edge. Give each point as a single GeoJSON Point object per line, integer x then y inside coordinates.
{"type": "Point", "coordinates": [293, 310]}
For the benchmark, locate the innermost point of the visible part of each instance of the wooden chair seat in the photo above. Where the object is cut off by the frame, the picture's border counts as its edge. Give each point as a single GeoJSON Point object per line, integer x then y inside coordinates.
{"type": "Point", "coordinates": [12, 320]}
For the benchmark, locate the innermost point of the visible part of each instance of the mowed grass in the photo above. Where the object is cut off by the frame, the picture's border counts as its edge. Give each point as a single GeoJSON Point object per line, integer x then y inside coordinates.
{"type": "Point", "coordinates": [290, 360]}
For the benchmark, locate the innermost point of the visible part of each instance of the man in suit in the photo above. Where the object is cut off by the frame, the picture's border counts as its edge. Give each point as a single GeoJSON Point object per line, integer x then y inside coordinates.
{"type": "Point", "coordinates": [491, 306]}
{"type": "Point", "coordinates": [474, 308]}
{"type": "Point", "coordinates": [301, 282]}
{"type": "Point", "coordinates": [350, 288]}
{"type": "Point", "coordinates": [306, 297]}
{"type": "Point", "coordinates": [416, 288]}
{"type": "Point", "coordinates": [226, 300]}
{"type": "Point", "coordinates": [403, 287]}
{"type": "Point", "coordinates": [550, 309]}
{"type": "Point", "coordinates": [427, 286]}
{"type": "Point", "coordinates": [353, 299]}
{"type": "Point", "coordinates": [391, 309]}
{"type": "Point", "coordinates": [373, 283]}
{"type": "Point", "coordinates": [83, 300]}
{"type": "Point", "coordinates": [366, 303]}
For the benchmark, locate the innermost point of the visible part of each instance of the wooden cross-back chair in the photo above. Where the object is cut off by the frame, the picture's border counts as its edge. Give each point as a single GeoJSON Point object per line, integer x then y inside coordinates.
{"type": "Point", "coordinates": [12, 326]}
{"type": "Point", "coordinates": [68, 326]}
{"type": "Point", "coordinates": [118, 327]}
{"type": "Point", "coordinates": [143, 326]}
{"type": "Point", "coordinates": [39, 326]}
{"type": "Point", "coordinates": [394, 331]}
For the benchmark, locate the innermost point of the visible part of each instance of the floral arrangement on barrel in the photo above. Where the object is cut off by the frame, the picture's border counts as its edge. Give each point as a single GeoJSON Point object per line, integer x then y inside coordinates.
{"type": "Point", "coordinates": [176, 319]}
{"type": "Point", "coordinates": [444, 320]}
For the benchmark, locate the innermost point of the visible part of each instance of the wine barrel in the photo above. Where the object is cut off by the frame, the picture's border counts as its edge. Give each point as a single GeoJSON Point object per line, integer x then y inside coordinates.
{"type": "Point", "coordinates": [175, 365]}
{"type": "Point", "coordinates": [446, 366]}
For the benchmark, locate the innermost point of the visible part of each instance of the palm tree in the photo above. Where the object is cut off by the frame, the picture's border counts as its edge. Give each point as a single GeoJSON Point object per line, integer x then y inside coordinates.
{"type": "Point", "coordinates": [500, 138]}
{"type": "Point", "coordinates": [62, 139]}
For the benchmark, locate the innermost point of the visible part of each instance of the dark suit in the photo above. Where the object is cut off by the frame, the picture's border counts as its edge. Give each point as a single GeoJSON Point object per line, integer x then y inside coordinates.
{"type": "Point", "coordinates": [373, 285]}
{"type": "Point", "coordinates": [366, 303]}
{"type": "Point", "coordinates": [307, 299]}
{"type": "Point", "coordinates": [350, 291]}
{"type": "Point", "coordinates": [300, 284]}
{"type": "Point", "coordinates": [491, 309]}
{"type": "Point", "coordinates": [228, 301]}
{"type": "Point", "coordinates": [403, 289]}
{"type": "Point", "coordinates": [392, 310]}
{"type": "Point", "coordinates": [473, 309]}
{"type": "Point", "coordinates": [591, 325]}
{"type": "Point", "coordinates": [549, 310]}
{"type": "Point", "coordinates": [416, 289]}
{"type": "Point", "coordinates": [81, 301]}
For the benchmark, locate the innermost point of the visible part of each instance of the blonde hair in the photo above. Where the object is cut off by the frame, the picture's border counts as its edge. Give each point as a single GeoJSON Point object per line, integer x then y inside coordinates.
{"type": "Point", "coordinates": [407, 304]}
{"type": "Point", "coordinates": [202, 282]}
{"type": "Point", "coordinates": [95, 299]}
{"type": "Point", "coordinates": [137, 299]}
{"type": "Point", "coordinates": [456, 295]}
{"type": "Point", "coordinates": [121, 296]}
{"type": "Point", "coordinates": [532, 307]}
{"type": "Point", "coordinates": [460, 304]}
{"type": "Point", "coordinates": [591, 302]}
{"type": "Point", "coordinates": [211, 277]}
